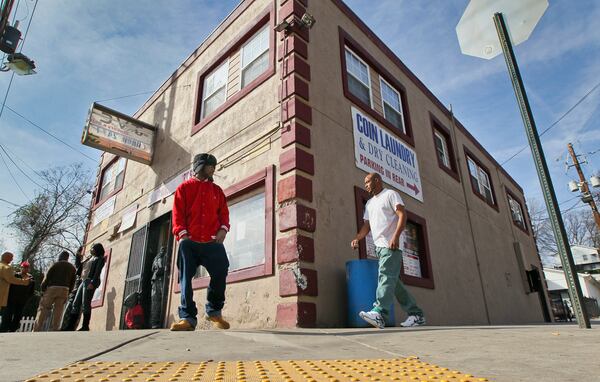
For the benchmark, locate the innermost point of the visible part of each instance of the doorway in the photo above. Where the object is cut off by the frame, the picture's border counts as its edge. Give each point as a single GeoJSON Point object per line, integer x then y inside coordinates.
{"type": "Point", "coordinates": [146, 244]}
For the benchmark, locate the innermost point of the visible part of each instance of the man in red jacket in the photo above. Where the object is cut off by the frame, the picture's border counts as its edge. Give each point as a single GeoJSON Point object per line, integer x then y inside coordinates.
{"type": "Point", "coordinates": [200, 223]}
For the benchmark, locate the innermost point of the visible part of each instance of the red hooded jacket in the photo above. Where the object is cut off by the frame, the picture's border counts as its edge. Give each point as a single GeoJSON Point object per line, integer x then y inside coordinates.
{"type": "Point", "coordinates": [199, 210]}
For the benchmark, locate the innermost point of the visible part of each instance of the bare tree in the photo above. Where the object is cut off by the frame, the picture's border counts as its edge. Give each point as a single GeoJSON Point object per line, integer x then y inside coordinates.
{"type": "Point", "coordinates": [579, 225]}
{"type": "Point", "coordinates": [56, 217]}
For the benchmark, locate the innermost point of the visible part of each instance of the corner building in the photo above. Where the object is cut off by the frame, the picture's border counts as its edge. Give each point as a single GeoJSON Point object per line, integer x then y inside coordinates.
{"type": "Point", "coordinates": [296, 120]}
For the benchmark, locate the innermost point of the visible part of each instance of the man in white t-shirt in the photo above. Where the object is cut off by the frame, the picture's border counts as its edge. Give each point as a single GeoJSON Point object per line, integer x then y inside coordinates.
{"type": "Point", "coordinates": [385, 218]}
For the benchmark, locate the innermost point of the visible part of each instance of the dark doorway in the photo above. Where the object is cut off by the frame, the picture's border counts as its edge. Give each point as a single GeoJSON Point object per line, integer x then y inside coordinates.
{"type": "Point", "coordinates": [535, 285]}
{"type": "Point", "coordinates": [146, 244]}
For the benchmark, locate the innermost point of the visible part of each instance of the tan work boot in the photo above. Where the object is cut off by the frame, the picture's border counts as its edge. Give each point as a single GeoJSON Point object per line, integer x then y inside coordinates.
{"type": "Point", "coordinates": [218, 322]}
{"type": "Point", "coordinates": [182, 326]}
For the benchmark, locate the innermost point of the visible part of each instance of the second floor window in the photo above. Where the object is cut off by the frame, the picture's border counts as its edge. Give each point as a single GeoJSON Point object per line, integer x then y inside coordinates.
{"type": "Point", "coordinates": [358, 77]}
{"type": "Point", "coordinates": [392, 107]}
{"type": "Point", "coordinates": [441, 148]}
{"type": "Point", "coordinates": [481, 181]}
{"type": "Point", "coordinates": [215, 89]}
{"type": "Point", "coordinates": [255, 56]}
{"type": "Point", "coordinates": [112, 178]}
{"type": "Point", "coordinates": [516, 211]}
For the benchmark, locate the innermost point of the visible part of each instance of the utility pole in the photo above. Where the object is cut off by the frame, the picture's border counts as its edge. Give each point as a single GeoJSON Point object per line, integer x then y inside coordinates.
{"type": "Point", "coordinates": [585, 189]}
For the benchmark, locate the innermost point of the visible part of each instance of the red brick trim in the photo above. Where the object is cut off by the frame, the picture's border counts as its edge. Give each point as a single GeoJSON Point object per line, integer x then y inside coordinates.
{"type": "Point", "coordinates": [294, 45]}
{"type": "Point", "coordinates": [296, 314]}
{"type": "Point", "coordinates": [295, 108]}
{"type": "Point", "coordinates": [298, 282]}
{"type": "Point", "coordinates": [295, 248]}
{"type": "Point", "coordinates": [296, 159]}
{"type": "Point", "coordinates": [303, 2]}
{"type": "Point", "coordinates": [290, 8]}
{"type": "Point", "coordinates": [294, 132]}
{"type": "Point", "coordinates": [293, 85]}
{"type": "Point", "coordinates": [294, 64]}
{"type": "Point", "coordinates": [297, 216]}
{"type": "Point", "coordinates": [294, 186]}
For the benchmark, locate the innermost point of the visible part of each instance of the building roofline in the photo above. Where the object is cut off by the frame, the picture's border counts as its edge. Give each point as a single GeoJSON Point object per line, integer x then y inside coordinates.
{"type": "Point", "coordinates": [212, 36]}
{"type": "Point", "coordinates": [395, 59]}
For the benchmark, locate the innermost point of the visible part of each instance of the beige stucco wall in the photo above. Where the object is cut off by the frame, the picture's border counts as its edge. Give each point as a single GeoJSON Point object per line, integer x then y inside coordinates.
{"type": "Point", "coordinates": [450, 211]}
{"type": "Point", "coordinates": [459, 224]}
{"type": "Point", "coordinates": [250, 303]}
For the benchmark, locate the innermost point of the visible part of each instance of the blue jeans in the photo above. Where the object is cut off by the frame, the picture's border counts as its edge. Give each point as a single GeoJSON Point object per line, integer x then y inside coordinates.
{"type": "Point", "coordinates": [389, 284]}
{"type": "Point", "coordinates": [211, 256]}
{"type": "Point", "coordinates": [83, 298]}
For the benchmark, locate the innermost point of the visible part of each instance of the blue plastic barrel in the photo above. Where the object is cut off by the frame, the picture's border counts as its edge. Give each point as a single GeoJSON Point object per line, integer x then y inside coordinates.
{"type": "Point", "coordinates": [361, 283]}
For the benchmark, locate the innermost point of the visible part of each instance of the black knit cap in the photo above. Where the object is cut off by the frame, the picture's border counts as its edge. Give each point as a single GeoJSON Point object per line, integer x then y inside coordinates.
{"type": "Point", "coordinates": [98, 249]}
{"type": "Point", "coordinates": [202, 159]}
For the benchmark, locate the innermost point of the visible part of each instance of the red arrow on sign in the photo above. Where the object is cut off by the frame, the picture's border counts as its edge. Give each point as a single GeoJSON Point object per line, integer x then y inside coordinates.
{"type": "Point", "coordinates": [413, 187]}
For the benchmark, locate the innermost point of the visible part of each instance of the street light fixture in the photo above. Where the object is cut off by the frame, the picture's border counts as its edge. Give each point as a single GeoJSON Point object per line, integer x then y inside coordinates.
{"type": "Point", "coordinates": [20, 64]}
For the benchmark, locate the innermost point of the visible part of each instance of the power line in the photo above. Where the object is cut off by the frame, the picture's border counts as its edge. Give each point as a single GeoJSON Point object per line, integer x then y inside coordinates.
{"type": "Point", "coordinates": [125, 96]}
{"type": "Point", "coordinates": [9, 202]}
{"type": "Point", "coordinates": [28, 24]}
{"type": "Point", "coordinates": [19, 168]}
{"type": "Point", "coordinates": [50, 134]}
{"type": "Point", "coordinates": [556, 122]}
{"type": "Point", "coordinates": [12, 176]}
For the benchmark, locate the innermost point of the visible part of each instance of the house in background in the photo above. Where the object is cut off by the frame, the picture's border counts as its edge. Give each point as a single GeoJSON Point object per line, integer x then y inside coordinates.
{"type": "Point", "coordinates": [559, 294]}
{"type": "Point", "coordinates": [586, 258]}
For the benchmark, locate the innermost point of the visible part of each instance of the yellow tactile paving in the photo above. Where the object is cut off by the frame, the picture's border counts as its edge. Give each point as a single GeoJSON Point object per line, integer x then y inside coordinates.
{"type": "Point", "coordinates": [403, 369]}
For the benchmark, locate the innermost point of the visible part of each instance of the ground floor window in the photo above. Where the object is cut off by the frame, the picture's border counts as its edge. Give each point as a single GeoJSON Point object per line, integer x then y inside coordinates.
{"type": "Point", "coordinates": [245, 242]}
{"type": "Point", "coordinates": [249, 243]}
{"type": "Point", "coordinates": [416, 257]}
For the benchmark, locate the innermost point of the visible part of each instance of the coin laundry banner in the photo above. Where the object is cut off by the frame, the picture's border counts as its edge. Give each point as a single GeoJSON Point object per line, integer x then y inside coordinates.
{"type": "Point", "coordinates": [378, 150]}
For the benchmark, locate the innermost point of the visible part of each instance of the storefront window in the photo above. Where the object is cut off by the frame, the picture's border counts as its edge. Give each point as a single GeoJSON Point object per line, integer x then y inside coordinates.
{"type": "Point", "coordinates": [245, 242]}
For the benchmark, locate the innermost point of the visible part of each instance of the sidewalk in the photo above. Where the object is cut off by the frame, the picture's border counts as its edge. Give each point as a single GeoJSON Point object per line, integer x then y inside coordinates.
{"type": "Point", "coordinates": [499, 353]}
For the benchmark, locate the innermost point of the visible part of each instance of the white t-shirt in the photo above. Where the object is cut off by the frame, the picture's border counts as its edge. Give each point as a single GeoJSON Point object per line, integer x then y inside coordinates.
{"type": "Point", "coordinates": [380, 211]}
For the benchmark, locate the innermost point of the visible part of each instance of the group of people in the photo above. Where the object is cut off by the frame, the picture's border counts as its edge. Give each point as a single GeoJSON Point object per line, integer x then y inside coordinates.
{"type": "Point", "coordinates": [67, 291]}
{"type": "Point", "coordinates": [201, 223]}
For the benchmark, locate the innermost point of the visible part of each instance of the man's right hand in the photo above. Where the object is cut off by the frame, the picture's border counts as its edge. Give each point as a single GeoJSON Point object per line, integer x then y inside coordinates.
{"type": "Point", "coordinates": [354, 243]}
{"type": "Point", "coordinates": [184, 237]}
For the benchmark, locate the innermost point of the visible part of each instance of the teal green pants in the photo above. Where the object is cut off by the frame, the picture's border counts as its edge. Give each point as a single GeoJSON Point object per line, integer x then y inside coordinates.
{"type": "Point", "coordinates": [389, 284]}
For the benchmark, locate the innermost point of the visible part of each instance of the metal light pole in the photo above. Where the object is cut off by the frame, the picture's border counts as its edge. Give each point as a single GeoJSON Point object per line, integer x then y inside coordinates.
{"type": "Point", "coordinates": [482, 8]}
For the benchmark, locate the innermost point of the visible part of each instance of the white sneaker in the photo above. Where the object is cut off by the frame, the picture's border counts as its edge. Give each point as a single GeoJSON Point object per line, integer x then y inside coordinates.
{"type": "Point", "coordinates": [413, 321]}
{"type": "Point", "coordinates": [373, 318]}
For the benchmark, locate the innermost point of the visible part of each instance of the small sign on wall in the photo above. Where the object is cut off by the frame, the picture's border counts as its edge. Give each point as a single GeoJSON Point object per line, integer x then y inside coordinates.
{"type": "Point", "coordinates": [108, 130]}
{"type": "Point", "coordinates": [378, 150]}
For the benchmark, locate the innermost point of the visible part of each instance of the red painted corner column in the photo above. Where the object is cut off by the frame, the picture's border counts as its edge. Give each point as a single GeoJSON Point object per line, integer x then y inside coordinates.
{"type": "Point", "coordinates": [297, 219]}
{"type": "Point", "coordinates": [296, 315]}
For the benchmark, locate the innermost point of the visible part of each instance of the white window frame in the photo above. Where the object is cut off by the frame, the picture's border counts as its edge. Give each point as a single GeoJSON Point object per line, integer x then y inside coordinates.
{"type": "Point", "coordinates": [356, 78]}
{"type": "Point", "coordinates": [244, 65]}
{"type": "Point", "coordinates": [383, 102]}
{"type": "Point", "coordinates": [514, 204]}
{"type": "Point", "coordinates": [481, 175]}
{"type": "Point", "coordinates": [446, 153]}
{"type": "Point", "coordinates": [109, 169]}
{"type": "Point", "coordinates": [207, 96]}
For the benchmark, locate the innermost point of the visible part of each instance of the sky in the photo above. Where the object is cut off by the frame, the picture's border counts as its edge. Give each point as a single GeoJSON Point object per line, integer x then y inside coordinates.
{"type": "Point", "coordinates": [106, 49]}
